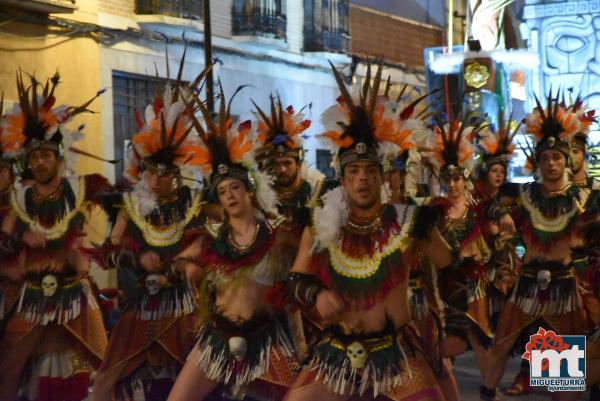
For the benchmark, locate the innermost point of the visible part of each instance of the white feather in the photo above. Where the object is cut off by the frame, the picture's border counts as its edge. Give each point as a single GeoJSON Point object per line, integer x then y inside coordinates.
{"type": "Point", "coordinates": [265, 194]}
{"type": "Point", "coordinates": [311, 175]}
{"type": "Point", "coordinates": [146, 199]}
{"type": "Point", "coordinates": [386, 191]}
{"type": "Point", "coordinates": [330, 218]}
{"type": "Point", "coordinates": [149, 115]}
{"type": "Point", "coordinates": [412, 124]}
{"type": "Point", "coordinates": [332, 117]}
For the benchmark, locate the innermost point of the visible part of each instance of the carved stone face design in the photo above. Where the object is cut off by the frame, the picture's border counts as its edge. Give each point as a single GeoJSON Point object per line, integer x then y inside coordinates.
{"type": "Point", "coordinates": [357, 354]}
{"type": "Point", "coordinates": [569, 44]}
{"type": "Point", "coordinates": [153, 283]}
{"type": "Point", "coordinates": [238, 347]}
{"type": "Point", "coordinates": [49, 285]}
{"type": "Point", "coordinates": [543, 279]}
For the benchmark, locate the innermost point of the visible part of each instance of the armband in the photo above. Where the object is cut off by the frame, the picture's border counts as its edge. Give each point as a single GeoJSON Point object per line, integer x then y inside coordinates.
{"type": "Point", "coordinates": [303, 288]}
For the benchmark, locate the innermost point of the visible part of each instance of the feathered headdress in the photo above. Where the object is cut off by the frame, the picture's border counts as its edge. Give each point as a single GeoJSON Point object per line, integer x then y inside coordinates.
{"type": "Point", "coordinates": [279, 133]}
{"type": "Point", "coordinates": [164, 143]}
{"type": "Point", "coordinates": [366, 128]}
{"type": "Point", "coordinates": [452, 153]}
{"type": "Point", "coordinates": [556, 126]}
{"type": "Point", "coordinates": [412, 129]}
{"type": "Point", "coordinates": [531, 165]}
{"type": "Point", "coordinates": [587, 118]}
{"type": "Point", "coordinates": [495, 145]}
{"type": "Point", "coordinates": [228, 151]}
{"type": "Point", "coordinates": [34, 123]}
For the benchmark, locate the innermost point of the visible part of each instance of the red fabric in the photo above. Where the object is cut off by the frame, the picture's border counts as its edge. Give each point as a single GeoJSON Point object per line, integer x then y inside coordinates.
{"type": "Point", "coordinates": [277, 297]}
{"type": "Point", "coordinates": [441, 204]}
{"type": "Point", "coordinates": [526, 230]}
{"type": "Point", "coordinates": [357, 245]}
{"type": "Point", "coordinates": [211, 258]}
{"type": "Point", "coordinates": [74, 388]}
{"type": "Point", "coordinates": [96, 185]}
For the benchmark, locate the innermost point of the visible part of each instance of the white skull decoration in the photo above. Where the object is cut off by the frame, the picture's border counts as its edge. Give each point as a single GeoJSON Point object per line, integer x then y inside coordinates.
{"type": "Point", "coordinates": [49, 285]}
{"type": "Point", "coordinates": [543, 279]}
{"type": "Point", "coordinates": [238, 347]}
{"type": "Point", "coordinates": [357, 354]}
{"type": "Point", "coordinates": [153, 283]}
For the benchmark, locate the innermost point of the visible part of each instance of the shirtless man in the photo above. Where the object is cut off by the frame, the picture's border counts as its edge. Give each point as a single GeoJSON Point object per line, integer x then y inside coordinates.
{"type": "Point", "coordinates": [56, 334]}
{"type": "Point", "coordinates": [356, 279]}
{"type": "Point", "coordinates": [548, 215]}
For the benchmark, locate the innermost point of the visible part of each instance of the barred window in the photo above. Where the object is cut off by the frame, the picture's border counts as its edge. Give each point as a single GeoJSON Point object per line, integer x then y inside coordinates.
{"type": "Point", "coordinates": [131, 92]}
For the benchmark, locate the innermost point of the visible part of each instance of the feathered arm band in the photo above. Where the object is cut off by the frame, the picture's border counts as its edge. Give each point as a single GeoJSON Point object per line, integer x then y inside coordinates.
{"type": "Point", "coordinates": [303, 288]}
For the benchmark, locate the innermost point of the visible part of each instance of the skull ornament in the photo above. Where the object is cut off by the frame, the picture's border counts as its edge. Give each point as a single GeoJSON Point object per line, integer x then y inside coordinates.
{"type": "Point", "coordinates": [238, 347]}
{"type": "Point", "coordinates": [153, 283]}
{"type": "Point", "coordinates": [49, 285]}
{"type": "Point", "coordinates": [543, 279]}
{"type": "Point", "coordinates": [357, 354]}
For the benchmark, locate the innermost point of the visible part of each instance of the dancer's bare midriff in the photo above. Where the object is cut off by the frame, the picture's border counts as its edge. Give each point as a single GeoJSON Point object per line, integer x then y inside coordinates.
{"type": "Point", "coordinates": [240, 301]}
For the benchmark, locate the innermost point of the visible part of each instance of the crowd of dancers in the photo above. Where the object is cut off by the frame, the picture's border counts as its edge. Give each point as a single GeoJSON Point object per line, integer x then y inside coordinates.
{"type": "Point", "coordinates": [245, 274]}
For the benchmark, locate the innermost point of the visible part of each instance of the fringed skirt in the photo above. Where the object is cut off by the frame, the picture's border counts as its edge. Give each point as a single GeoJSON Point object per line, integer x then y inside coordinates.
{"type": "Point", "coordinates": [9, 295]}
{"type": "Point", "coordinates": [70, 340]}
{"type": "Point", "coordinates": [389, 363]}
{"type": "Point", "coordinates": [150, 341]}
{"type": "Point", "coordinates": [253, 357]}
{"type": "Point", "coordinates": [464, 291]}
{"type": "Point", "coordinates": [426, 317]}
{"type": "Point", "coordinates": [545, 293]}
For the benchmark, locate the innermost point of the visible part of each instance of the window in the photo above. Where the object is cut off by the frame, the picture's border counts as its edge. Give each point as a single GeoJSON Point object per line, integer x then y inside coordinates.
{"type": "Point", "coordinates": [324, 160]}
{"type": "Point", "coordinates": [191, 9]}
{"type": "Point", "coordinates": [259, 17]}
{"type": "Point", "coordinates": [130, 93]}
{"type": "Point", "coordinates": [326, 25]}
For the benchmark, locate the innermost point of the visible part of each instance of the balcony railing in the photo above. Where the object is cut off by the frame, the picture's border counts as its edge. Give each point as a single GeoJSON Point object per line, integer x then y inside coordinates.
{"type": "Point", "coordinates": [326, 26]}
{"type": "Point", "coordinates": [259, 18]}
{"type": "Point", "coordinates": [190, 9]}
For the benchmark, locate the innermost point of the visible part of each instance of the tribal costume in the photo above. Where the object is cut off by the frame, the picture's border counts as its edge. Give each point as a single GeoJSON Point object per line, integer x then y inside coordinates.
{"type": "Point", "coordinates": [365, 264]}
{"type": "Point", "coordinates": [364, 267]}
{"type": "Point", "coordinates": [495, 147]}
{"type": "Point", "coordinates": [9, 288]}
{"type": "Point", "coordinates": [588, 271]}
{"type": "Point", "coordinates": [547, 292]}
{"type": "Point", "coordinates": [452, 157]}
{"type": "Point", "coordinates": [56, 335]}
{"type": "Point", "coordinates": [252, 356]}
{"type": "Point", "coordinates": [280, 137]}
{"type": "Point", "coordinates": [155, 332]}
{"type": "Point", "coordinates": [426, 309]}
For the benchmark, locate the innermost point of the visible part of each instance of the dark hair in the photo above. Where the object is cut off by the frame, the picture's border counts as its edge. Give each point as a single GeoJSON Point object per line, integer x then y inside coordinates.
{"type": "Point", "coordinates": [358, 161]}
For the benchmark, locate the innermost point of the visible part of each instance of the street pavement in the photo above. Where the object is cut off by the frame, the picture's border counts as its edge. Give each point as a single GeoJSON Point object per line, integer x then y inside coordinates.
{"type": "Point", "coordinates": [467, 376]}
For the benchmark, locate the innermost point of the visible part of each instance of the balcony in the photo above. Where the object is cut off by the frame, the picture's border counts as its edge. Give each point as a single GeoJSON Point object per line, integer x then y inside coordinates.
{"type": "Point", "coordinates": [325, 41]}
{"type": "Point", "coordinates": [265, 18]}
{"type": "Point", "coordinates": [326, 26]}
{"type": "Point", "coordinates": [41, 6]}
{"type": "Point", "coordinates": [188, 9]}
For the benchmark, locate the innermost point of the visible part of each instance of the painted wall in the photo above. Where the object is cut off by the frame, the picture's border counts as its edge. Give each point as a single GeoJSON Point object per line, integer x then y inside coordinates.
{"type": "Point", "coordinates": [566, 35]}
